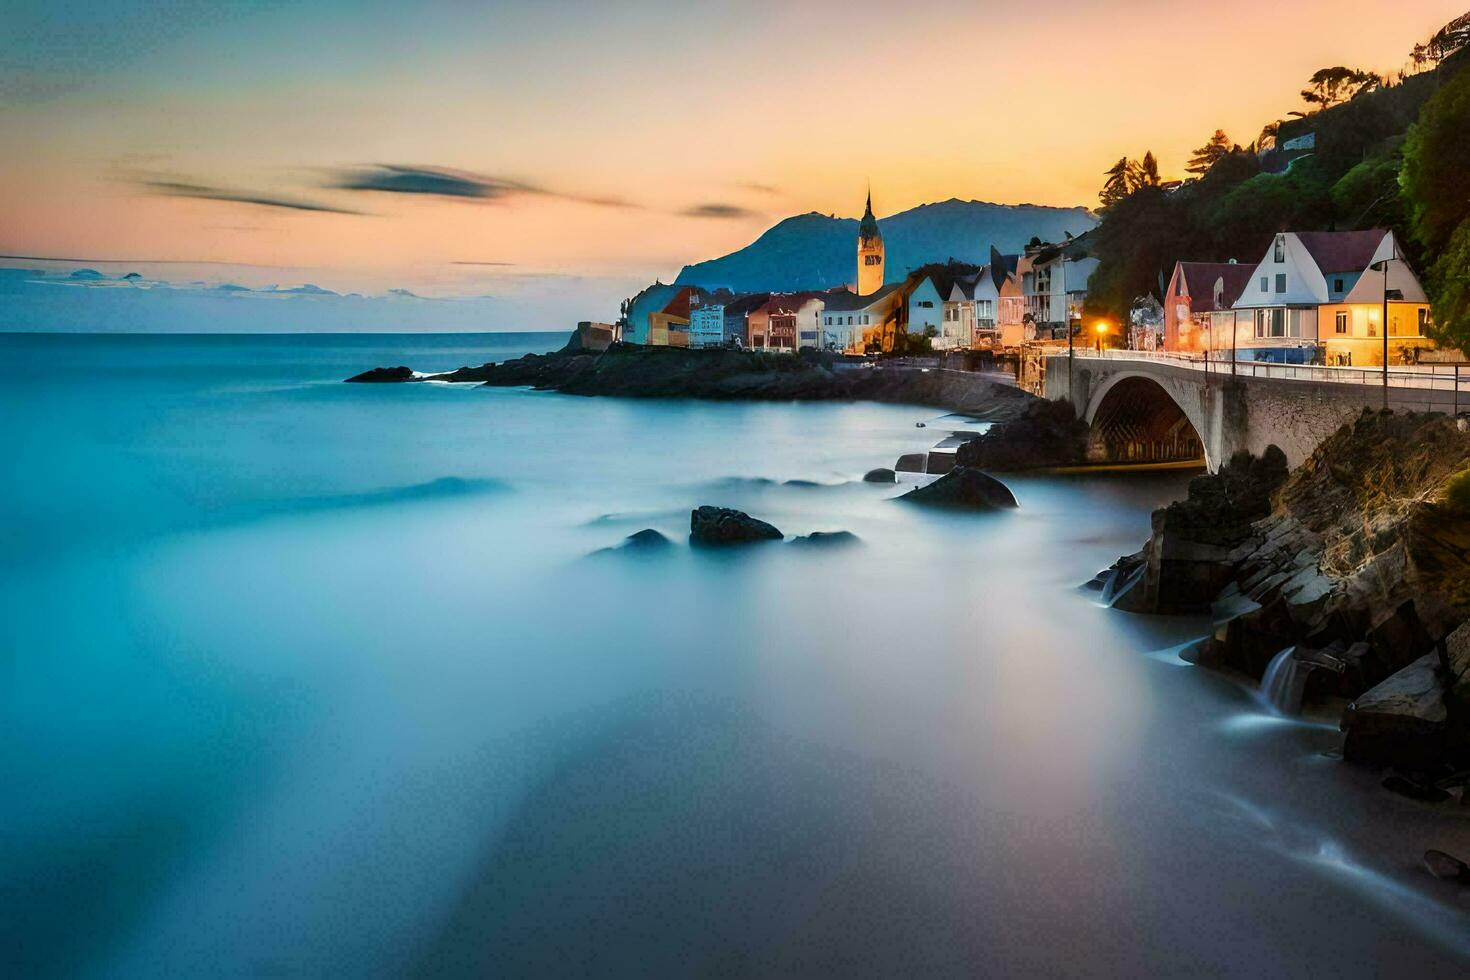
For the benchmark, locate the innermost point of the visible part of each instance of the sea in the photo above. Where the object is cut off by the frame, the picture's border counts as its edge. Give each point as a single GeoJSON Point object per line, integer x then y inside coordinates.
{"type": "Point", "coordinates": [307, 679]}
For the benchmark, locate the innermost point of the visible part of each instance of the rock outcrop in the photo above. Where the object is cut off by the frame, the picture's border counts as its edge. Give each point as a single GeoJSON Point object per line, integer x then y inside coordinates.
{"type": "Point", "coordinates": [1359, 559]}
{"type": "Point", "coordinates": [631, 371]}
{"type": "Point", "coordinates": [383, 375]}
{"type": "Point", "coordinates": [881, 475]}
{"type": "Point", "coordinates": [644, 542]}
{"type": "Point", "coordinates": [826, 539]}
{"type": "Point", "coordinates": [1046, 434]}
{"type": "Point", "coordinates": [964, 487]}
{"type": "Point", "coordinates": [718, 526]}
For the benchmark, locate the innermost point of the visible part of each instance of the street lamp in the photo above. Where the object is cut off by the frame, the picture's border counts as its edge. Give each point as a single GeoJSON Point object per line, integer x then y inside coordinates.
{"type": "Point", "coordinates": [1100, 330]}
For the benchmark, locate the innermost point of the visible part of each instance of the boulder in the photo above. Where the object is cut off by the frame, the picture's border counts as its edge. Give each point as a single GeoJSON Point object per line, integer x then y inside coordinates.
{"type": "Point", "coordinates": [827, 539]}
{"type": "Point", "coordinates": [1047, 433]}
{"type": "Point", "coordinates": [383, 375]}
{"type": "Point", "coordinates": [966, 487]}
{"type": "Point", "coordinates": [644, 542]}
{"type": "Point", "coordinates": [723, 525]}
{"type": "Point", "coordinates": [910, 463]}
{"type": "Point", "coordinates": [1402, 721]}
{"type": "Point", "coordinates": [881, 475]}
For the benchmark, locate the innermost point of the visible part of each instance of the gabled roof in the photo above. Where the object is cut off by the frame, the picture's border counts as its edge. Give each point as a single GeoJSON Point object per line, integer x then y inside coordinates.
{"type": "Point", "coordinates": [742, 305]}
{"type": "Point", "coordinates": [679, 305]}
{"type": "Point", "coordinates": [1199, 282]}
{"type": "Point", "coordinates": [1342, 251]}
{"type": "Point", "coordinates": [845, 302]}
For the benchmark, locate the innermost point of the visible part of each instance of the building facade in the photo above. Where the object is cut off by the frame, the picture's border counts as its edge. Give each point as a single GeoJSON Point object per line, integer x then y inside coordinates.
{"type": "Point", "coordinates": [869, 253]}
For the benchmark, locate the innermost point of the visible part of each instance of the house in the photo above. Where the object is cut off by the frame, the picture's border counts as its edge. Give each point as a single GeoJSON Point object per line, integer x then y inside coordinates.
{"type": "Point", "coordinates": [1146, 324]}
{"type": "Point", "coordinates": [924, 303]}
{"type": "Point", "coordinates": [737, 312]}
{"type": "Point", "coordinates": [958, 332]}
{"type": "Point", "coordinates": [669, 326]}
{"type": "Point", "coordinates": [637, 311]}
{"type": "Point", "coordinates": [986, 331]}
{"type": "Point", "coordinates": [1315, 298]}
{"type": "Point", "coordinates": [786, 321]}
{"type": "Point", "coordinates": [707, 319]}
{"type": "Point", "coordinates": [1054, 283]}
{"type": "Point", "coordinates": [853, 323]}
{"type": "Point", "coordinates": [1196, 290]}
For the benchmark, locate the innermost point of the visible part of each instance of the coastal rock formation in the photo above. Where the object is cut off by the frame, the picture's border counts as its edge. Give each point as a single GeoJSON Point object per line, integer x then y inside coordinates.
{"type": "Point", "coordinates": [383, 375]}
{"type": "Point", "coordinates": [1359, 559]}
{"type": "Point", "coordinates": [881, 475]}
{"type": "Point", "coordinates": [966, 487]}
{"type": "Point", "coordinates": [723, 526]}
{"type": "Point", "coordinates": [1045, 434]}
{"type": "Point", "coordinates": [631, 371]}
{"type": "Point", "coordinates": [827, 539]}
{"type": "Point", "coordinates": [644, 542]}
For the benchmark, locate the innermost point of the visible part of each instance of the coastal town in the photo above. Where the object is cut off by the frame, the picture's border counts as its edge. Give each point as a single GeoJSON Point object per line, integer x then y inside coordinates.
{"type": "Point", "coordinates": [1335, 298]}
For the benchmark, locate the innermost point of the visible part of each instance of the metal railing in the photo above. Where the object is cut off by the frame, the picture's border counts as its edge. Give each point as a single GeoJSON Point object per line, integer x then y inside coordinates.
{"type": "Point", "coordinates": [1443, 383]}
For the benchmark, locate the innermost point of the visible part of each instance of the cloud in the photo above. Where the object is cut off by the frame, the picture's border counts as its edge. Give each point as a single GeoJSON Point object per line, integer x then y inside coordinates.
{"type": "Point", "coordinates": [474, 262]}
{"type": "Point", "coordinates": [454, 184]}
{"type": "Point", "coordinates": [759, 188]}
{"type": "Point", "coordinates": [718, 210]}
{"type": "Point", "coordinates": [204, 192]}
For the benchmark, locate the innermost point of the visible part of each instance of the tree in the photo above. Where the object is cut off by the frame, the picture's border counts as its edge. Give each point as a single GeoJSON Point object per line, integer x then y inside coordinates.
{"type": "Point", "coordinates": [1148, 172]}
{"type": "Point", "coordinates": [1331, 86]}
{"type": "Point", "coordinates": [1119, 183]}
{"type": "Point", "coordinates": [1446, 41]}
{"type": "Point", "coordinates": [1204, 158]}
{"type": "Point", "coordinates": [1436, 189]}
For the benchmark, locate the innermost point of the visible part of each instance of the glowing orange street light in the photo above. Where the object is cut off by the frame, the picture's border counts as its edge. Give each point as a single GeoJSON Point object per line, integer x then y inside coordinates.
{"type": "Point", "coordinates": [1101, 328]}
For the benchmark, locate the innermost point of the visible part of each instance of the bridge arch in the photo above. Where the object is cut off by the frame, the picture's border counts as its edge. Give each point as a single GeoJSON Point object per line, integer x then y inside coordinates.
{"type": "Point", "coordinates": [1133, 418]}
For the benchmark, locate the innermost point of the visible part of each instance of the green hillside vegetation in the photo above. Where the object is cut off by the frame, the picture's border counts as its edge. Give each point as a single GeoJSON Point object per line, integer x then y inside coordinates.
{"type": "Point", "coordinates": [1390, 155]}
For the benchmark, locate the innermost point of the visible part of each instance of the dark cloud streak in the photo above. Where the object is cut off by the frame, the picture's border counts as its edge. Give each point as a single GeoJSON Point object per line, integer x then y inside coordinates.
{"type": "Point", "coordinates": [718, 210]}
{"type": "Point", "coordinates": [454, 184]}
{"type": "Point", "coordinates": [204, 192]}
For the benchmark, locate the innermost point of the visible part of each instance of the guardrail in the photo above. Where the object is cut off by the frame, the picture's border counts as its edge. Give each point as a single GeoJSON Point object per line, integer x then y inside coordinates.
{"type": "Point", "coordinates": [1452, 381]}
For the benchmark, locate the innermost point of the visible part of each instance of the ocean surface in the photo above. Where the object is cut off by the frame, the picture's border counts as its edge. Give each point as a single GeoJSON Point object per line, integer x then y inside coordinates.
{"type": "Point", "coordinates": [300, 678]}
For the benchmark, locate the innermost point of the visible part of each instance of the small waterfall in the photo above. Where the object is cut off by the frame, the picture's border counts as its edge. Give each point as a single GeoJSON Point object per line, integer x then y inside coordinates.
{"type": "Point", "coordinates": [1284, 681]}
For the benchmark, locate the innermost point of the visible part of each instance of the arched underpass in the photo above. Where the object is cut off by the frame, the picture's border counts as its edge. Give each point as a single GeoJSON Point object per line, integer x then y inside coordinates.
{"type": "Point", "coordinates": [1138, 422]}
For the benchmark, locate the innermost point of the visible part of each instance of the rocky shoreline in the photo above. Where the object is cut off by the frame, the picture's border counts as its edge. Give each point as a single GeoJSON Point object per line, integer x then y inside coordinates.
{"type": "Point", "coordinates": [629, 371]}
{"type": "Point", "coordinates": [1341, 587]}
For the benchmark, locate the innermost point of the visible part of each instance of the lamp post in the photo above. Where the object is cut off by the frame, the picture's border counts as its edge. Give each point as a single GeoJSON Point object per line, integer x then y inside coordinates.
{"type": "Point", "coordinates": [1383, 324]}
{"type": "Point", "coordinates": [1100, 330]}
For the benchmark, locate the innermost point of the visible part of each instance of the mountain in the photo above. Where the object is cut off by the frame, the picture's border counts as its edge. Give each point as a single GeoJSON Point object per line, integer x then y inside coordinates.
{"type": "Point", "coordinates": [815, 251]}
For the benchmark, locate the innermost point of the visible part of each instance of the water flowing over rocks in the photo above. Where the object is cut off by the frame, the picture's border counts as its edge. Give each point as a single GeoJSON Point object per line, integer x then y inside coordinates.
{"type": "Point", "coordinates": [631, 371]}
{"type": "Point", "coordinates": [724, 526]}
{"type": "Point", "coordinates": [964, 487]}
{"type": "Point", "coordinates": [1345, 580]}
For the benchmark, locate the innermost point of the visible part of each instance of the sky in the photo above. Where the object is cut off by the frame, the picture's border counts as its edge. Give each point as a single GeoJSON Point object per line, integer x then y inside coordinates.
{"type": "Point", "coordinates": [562, 153]}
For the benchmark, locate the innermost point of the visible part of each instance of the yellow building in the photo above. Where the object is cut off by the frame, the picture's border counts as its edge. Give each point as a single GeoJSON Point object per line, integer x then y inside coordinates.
{"type": "Point", "coordinates": [1351, 330]}
{"type": "Point", "coordinates": [869, 253]}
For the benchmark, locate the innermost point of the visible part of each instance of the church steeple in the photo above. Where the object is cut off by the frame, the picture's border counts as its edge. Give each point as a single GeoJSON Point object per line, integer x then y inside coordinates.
{"type": "Point", "coordinates": [869, 252]}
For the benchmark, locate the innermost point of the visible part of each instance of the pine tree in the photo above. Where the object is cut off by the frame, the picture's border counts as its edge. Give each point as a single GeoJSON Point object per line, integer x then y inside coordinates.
{"type": "Point", "coordinates": [1204, 158]}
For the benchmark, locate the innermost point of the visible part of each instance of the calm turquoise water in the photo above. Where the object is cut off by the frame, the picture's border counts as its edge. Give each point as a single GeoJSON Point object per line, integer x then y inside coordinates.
{"type": "Point", "coordinates": [311, 679]}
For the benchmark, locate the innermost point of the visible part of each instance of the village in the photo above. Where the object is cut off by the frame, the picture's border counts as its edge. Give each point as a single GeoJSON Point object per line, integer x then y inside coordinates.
{"type": "Point", "coordinates": [1330, 298]}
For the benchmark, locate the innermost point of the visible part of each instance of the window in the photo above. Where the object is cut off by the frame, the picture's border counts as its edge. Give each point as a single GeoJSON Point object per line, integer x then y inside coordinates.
{"type": "Point", "coordinates": [1341, 321]}
{"type": "Point", "coordinates": [1279, 249]}
{"type": "Point", "coordinates": [1281, 282]}
{"type": "Point", "coordinates": [865, 319]}
{"type": "Point", "coordinates": [1265, 284]}
{"type": "Point", "coordinates": [1271, 323]}
{"type": "Point", "coordinates": [927, 304]}
{"type": "Point", "coordinates": [1393, 325]}
{"type": "Point", "coordinates": [872, 259]}
{"type": "Point", "coordinates": [1423, 319]}
{"type": "Point", "coordinates": [849, 321]}
{"type": "Point", "coordinates": [1337, 285]}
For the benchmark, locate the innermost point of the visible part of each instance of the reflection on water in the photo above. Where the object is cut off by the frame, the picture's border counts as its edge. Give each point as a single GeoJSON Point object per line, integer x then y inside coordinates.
{"type": "Point", "coordinates": [315, 679]}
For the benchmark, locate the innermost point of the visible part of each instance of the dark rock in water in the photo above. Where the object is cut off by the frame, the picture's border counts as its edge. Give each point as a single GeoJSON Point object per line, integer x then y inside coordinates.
{"type": "Point", "coordinates": [644, 542]}
{"type": "Point", "coordinates": [833, 539]}
{"type": "Point", "coordinates": [964, 486]}
{"type": "Point", "coordinates": [1415, 790]}
{"type": "Point", "coordinates": [801, 483]}
{"type": "Point", "coordinates": [1402, 721]}
{"type": "Point", "coordinates": [723, 525]}
{"type": "Point", "coordinates": [881, 475]}
{"type": "Point", "coordinates": [1446, 866]}
{"type": "Point", "coordinates": [647, 540]}
{"type": "Point", "coordinates": [910, 463]}
{"type": "Point", "coordinates": [383, 375]}
{"type": "Point", "coordinates": [1047, 433]}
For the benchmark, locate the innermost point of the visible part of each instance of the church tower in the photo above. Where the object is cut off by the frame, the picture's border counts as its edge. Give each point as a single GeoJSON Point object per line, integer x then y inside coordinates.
{"type": "Point", "coordinates": [869, 253]}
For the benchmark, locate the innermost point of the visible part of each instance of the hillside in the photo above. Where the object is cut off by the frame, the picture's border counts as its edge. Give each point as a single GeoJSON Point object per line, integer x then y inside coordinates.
{"type": "Point", "coordinates": [815, 251]}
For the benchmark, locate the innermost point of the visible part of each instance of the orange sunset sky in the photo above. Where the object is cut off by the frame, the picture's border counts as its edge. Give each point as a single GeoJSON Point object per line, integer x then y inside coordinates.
{"type": "Point", "coordinates": [616, 139]}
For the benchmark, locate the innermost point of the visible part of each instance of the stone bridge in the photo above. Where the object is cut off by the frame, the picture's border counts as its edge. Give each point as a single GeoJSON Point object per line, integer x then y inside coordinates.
{"type": "Point", "coordinates": [1146, 408]}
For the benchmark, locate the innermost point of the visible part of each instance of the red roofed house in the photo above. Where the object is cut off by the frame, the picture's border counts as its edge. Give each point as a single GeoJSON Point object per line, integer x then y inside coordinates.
{"type": "Point", "coordinates": [1195, 290]}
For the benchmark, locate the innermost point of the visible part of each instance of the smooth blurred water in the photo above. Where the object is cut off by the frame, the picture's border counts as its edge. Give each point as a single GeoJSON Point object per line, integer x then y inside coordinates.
{"type": "Point", "coordinates": [311, 679]}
